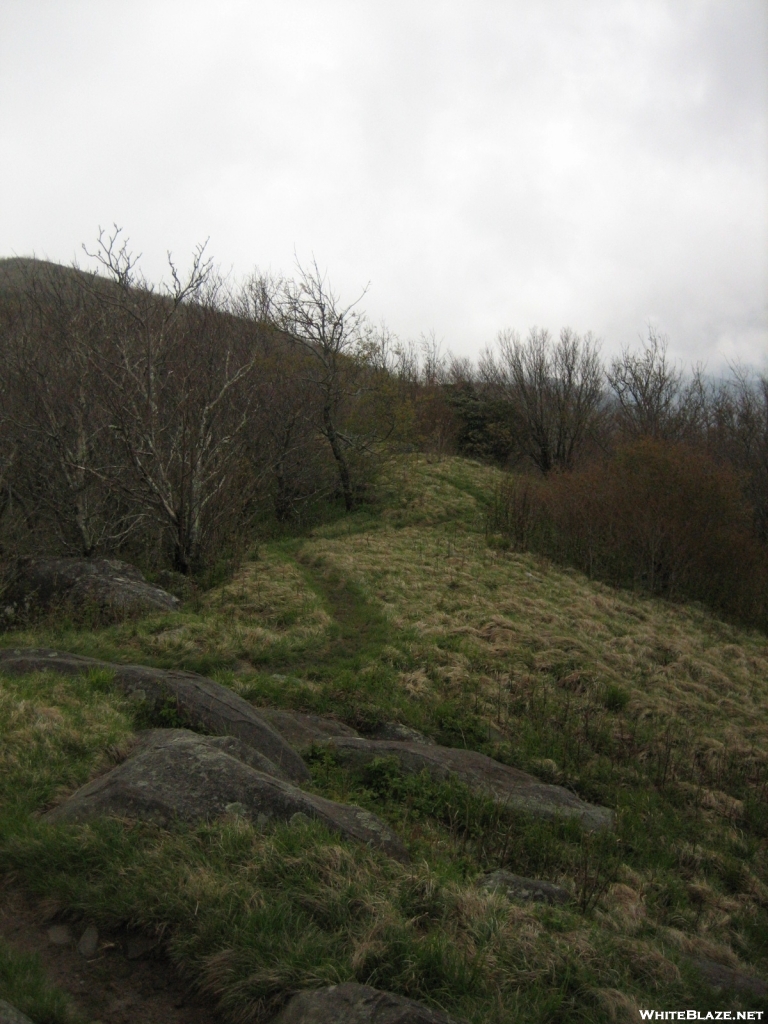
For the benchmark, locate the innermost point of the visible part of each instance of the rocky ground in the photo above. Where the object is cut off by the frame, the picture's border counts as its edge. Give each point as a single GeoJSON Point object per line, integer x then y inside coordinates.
{"type": "Point", "coordinates": [115, 977]}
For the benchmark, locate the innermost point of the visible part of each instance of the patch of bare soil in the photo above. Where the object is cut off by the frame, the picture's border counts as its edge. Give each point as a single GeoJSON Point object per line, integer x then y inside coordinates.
{"type": "Point", "coordinates": [112, 977]}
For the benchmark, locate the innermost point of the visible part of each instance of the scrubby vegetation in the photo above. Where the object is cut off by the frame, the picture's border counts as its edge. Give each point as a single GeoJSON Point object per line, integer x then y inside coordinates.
{"type": "Point", "coordinates": [655, 709]}
{"type": "Point", "coordinates": [174, 425]}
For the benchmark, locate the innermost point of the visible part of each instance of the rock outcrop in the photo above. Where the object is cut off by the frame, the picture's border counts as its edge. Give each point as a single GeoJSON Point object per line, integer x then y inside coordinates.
{"type": "Point", "coordinates": [199, 702]}
{"type": "Point", "coordinates": [357, 1004]}
{"type": "Point", "coordinates": [104, 587]}
{"type": "Point", "coordinates": [150, 739]}
{"type": "Point", "coordinates": [177, 775]}
{"type": "Point", "coordinates": [526, 890]}
{"type": "Point", "coordinates": [300, 730]}
{"type": "Point", "coordinates": [507, 786]}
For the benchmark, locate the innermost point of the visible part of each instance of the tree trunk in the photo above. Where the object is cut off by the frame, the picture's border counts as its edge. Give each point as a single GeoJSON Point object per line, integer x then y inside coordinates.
{"type": "Point", "coordinates": [333, 439]}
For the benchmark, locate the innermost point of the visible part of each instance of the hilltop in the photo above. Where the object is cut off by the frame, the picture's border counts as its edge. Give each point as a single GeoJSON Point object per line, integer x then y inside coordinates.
{"type": "Point", "coordinates": [402, 611]}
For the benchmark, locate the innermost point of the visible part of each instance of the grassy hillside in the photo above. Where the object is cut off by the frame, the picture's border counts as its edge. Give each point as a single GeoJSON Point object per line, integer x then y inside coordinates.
{"type": "Point", "coordinates": [656, 710]}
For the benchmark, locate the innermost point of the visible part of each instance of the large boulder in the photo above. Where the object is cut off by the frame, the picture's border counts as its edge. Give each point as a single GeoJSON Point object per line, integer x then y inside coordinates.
{"type": "Point", "coordinates": [357, 1004]}
{"type": "Point", "coordinates": [103, 587]}
{"type": "Point", "coordinates": [177, 775]}
{"type": "Point", "coordinates": [199, 702]}
{"type": "Point", "coordinates": [507, 786]}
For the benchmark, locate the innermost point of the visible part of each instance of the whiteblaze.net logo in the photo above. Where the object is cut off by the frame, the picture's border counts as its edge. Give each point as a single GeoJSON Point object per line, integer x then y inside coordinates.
{"type": "Point", "coordinates": [701, 1015]}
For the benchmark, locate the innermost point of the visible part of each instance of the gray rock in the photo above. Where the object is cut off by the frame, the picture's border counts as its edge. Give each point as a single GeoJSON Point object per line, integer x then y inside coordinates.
{"type": "Point", "coordinates": [89, 942]}
{"type": "Point", "coordinates": [301, 730]}
{"type": "Point", "coordinates": [398, 731]}
{"type": "Point", "coordinates": [505, 785]}
{"type": "Point", "coordinates": [109, 588]}
{"type": "Point", "coordinates": [10, 1015]}
{"type": "Point", "coordinates": [138, 945]}
{"type": "Point", "coordinates": [229, 744]}
{"type": "Point", "coordinates": [357, 1004]}
{"type": "Point", "coordinates": [199, 701]}
{"type": "Point", "coordinates": [60, 935]}
{"type": "Point", "coordinates": [717, 976]}
{"type": "Point", "coordinates": [182, 776]}
{"type": "Point", "coordinates": [527, 890]}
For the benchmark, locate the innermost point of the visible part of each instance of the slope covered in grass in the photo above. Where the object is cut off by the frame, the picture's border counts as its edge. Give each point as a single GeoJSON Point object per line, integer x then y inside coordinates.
{"type": "Point", "coordinates": [656, 710]}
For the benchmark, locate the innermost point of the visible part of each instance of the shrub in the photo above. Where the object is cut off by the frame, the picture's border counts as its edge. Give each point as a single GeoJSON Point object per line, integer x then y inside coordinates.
{"type": "Point", "coordinates": [657, 515]}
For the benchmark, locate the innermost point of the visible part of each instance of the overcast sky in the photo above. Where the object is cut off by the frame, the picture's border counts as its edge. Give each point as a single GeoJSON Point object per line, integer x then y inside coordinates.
{"type": "Point", "coordinates": [601, 163]}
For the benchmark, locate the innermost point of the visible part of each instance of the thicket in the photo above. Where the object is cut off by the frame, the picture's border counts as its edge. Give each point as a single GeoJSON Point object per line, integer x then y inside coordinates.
{"type": "Point", "coordinates": [163, 424]}
{"type": "Point", "coordinates": [656, 515]}
{"type": "Point", "coordinates": [167, 424]}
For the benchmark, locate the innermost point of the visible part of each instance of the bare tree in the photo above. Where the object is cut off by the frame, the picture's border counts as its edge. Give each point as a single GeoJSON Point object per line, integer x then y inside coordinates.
{"type": "Point", "coordinates": [738, 432]}
{"type": "Point", "coordinates": [176, 370]}
{"type": "Point", "coordinates": [554, 391]}
{"type": "Point", "coordinates": [653, 397]}
{"type": "Point", "coordinates": [61, 442]}
{"type": "Point", "coordinates": [333, 334]}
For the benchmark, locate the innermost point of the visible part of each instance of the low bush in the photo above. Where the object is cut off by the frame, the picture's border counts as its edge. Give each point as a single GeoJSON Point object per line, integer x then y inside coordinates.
{"type": "Point", "coordinates": [660, 516]}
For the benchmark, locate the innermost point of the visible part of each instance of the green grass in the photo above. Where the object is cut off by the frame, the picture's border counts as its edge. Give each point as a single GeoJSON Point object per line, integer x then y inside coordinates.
{"type": "Point", "coordinates": [656, 710]}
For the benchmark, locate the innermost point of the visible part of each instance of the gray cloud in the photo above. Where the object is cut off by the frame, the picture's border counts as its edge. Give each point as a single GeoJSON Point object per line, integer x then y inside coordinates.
{"type": "Point", "coordinates": [483, 164]}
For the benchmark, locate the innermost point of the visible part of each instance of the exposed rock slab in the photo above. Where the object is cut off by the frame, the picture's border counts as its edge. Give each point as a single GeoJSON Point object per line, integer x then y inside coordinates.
{"type": "Point", "coordinates": [178, 775]}
{"type": "Point", "coordinates": [526, 890]}
{"type": "Point", "coordinates": [301, 730]}
{"type": "Point", "coordinates": [199, 701]}
{"type": "Point", "coordinates": [151, 738]}
{"type": "Point", "coordinates": [105, 586]}
{"type": "Point", "coordinates": [357, 1004]}
{"type": "Point", "coordinates": [398, 731]}
{"type": "Point", "coordinates": [10, 1015]}
{"type": "Point", "coordinates": [508, 786]}
{"type": "Point", "coordinates": [717, 976]}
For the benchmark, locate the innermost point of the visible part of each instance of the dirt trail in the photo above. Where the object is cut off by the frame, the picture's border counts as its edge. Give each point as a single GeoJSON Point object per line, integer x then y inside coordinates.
{"type": "Point", "coordinates": [123, 981]}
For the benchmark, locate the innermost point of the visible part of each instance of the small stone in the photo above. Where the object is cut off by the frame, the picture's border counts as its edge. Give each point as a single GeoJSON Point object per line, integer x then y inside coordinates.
{"type": "Point", "coordinates": [60, 935]}
{"type": "Point", "coordinates": [527, 890]}
{"type": "Point", "coordinates": [138, 945]}
{"type": "Point", "coordinates": [89, 942]}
